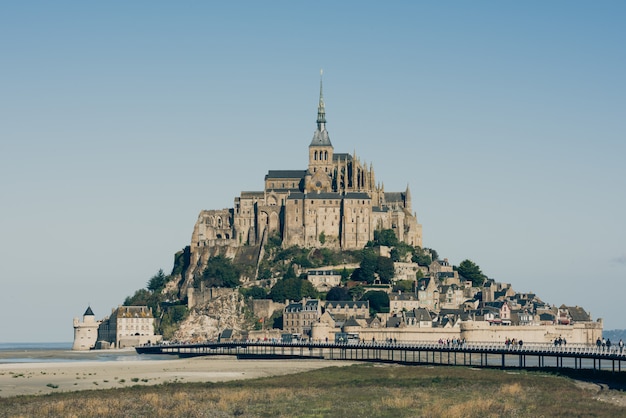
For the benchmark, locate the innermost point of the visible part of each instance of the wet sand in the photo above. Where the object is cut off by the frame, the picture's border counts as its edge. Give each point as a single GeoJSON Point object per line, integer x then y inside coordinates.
{"type": "Point", "coordinates": [54, 375]}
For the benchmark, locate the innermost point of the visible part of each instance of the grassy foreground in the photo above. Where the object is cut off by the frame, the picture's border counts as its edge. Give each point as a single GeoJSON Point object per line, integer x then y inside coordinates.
{"type": "Point", "coordinates": [365, 390]}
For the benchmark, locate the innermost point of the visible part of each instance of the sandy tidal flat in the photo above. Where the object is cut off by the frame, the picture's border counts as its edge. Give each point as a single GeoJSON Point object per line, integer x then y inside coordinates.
{"type": "Point", "coordinates": [42, 378]}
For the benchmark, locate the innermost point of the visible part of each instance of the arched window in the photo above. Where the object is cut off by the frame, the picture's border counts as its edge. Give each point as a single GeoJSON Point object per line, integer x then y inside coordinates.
{"type": "Point", "coordinates": [315, 157]}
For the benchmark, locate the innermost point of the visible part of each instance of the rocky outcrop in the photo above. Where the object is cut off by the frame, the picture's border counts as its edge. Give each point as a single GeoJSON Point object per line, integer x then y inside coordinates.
{"type": "Point", "coordinates": [207, 321]}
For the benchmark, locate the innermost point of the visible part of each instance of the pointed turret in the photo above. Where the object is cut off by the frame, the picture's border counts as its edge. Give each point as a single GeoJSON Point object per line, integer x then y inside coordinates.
{"type": "Point", "coordinates": [407, 199]}
{"type": "Point", "coordinates": [88, 311]}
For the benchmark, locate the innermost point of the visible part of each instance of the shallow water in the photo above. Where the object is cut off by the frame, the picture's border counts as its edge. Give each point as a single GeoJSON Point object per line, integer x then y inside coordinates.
{"type": "Point", "coordinates": [62, 352]}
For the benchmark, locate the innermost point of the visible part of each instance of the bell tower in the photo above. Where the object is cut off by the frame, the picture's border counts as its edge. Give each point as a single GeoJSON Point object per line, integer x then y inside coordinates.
{"type": "Point", "coordinates": [321, 149]}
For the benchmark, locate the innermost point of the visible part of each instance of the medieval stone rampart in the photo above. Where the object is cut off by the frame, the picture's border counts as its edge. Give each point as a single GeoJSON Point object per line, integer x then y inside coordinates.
{"type": "Point", "coordinates": [474, 332]}
{"type": "Point", "coordinates": [204, 295]}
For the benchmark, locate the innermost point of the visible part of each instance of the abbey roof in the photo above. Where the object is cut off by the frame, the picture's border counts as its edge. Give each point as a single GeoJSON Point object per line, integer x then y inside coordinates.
{"type": "Point", "coordinates": [285, 174]}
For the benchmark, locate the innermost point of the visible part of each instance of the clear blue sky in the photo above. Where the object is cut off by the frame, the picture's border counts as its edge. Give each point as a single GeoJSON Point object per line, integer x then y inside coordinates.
{"type": "Point", "coordinates": [120, 121]}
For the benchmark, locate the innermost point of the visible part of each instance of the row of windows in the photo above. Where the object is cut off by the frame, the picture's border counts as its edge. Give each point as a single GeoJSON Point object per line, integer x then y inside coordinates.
{"type": "Point", "coordinates": [133, 319]}
{"type": "Point", "coordinates": [332, 201]}
{"type": "Point", "coordinates": [283, 185]}
{"type": "Point", "coordinates": [323, 155]}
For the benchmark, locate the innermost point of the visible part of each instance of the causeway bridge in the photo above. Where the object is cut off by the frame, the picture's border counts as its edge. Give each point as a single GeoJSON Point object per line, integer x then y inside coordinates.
{"type": "Point", "coordinates": [528, 356]}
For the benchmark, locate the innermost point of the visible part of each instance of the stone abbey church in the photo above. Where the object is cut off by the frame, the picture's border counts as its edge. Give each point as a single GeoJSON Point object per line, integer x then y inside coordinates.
{"type": "Point", "coordinates": [334, 203]}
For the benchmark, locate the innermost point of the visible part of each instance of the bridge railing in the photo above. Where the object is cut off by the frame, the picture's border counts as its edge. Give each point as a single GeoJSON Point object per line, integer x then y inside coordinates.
{"type": "Point", "coordinates": [529, 348]}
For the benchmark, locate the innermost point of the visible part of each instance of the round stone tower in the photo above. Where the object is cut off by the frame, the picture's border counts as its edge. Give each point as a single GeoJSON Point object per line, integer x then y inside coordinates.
{"type": "Point", "coordinates": [85, 332]}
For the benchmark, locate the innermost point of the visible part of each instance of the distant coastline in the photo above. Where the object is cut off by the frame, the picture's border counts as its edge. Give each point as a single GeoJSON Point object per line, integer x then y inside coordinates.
{"type": "Point", "coordinates": [22, 346]}
{"type": "Point", "coordinates": [62, 353]}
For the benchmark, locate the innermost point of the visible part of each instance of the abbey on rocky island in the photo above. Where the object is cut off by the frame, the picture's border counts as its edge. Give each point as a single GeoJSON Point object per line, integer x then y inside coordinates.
{"type": "Point", "coordinates": [334, 203]}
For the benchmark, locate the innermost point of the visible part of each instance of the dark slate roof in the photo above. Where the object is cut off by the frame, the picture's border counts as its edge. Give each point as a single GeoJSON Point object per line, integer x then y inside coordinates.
{"type": "Point", "coordinates": [546, 317]}
{"type": "Point", "coordinates": [311, 304]}
{"type": "Point", "coordinates": [341, 156]}
{"type": "Point", "coordinates": [321, 139]}
{"type": "Point", "coordinates": [394, 197]}
{"type": "Point", "coordinates": [285, 174]}
{"type": "Point", "coordinates": [351, 322]}
{"type": "Point", "coordinates": [296, 196]}
{"type": "Point", "coordinates": [357, 195]}
{"type": "Point", "coordinates": [394, 322]}
{"type": "Point", "coordinates": [227, 333]}
{"type": "Point", "coordinates": [372, 320]}
{"type": "Point", "coordinates": [445, 288]}
{"type": "Point", "coordinates": [444, 321]}
{"type": "Point", "coordinates": [253, 194]}
{"type": "Point", "coordinates": [450, 312]}
{"type": "Point", "coordinates": [422, 314]}
{"type": "Point", "coordinates": [465, 316]}
{"type": "Point", "coordinates": [578, 314]}
{"type": "Point", "coordinates": [88, 311]}
{"type": "Point", "coordinates": [294, 307]}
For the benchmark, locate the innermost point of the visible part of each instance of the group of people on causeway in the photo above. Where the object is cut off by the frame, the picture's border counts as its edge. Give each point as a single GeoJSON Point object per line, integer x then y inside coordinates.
{"type": "Point", "coordinates": [605, 344]}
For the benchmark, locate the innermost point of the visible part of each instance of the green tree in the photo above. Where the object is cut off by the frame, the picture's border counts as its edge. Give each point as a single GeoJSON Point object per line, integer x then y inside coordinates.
{"type": "Point", "coordinates": [471, 271]}
{"type": "Point", "coordinates": [404, 286]}
{"type": "Point", "coordinates": [254, 292]}
{"type": "Point", "coordinates": [144, 297]}
{"type": "Point", "coordinates": [400, 251]}
{"type": "Point", "coordinates": [421, 257]}
{"type": "Point", "coordinates": [322, 238]}
{"type": "Point", "coordinates": [157, 283]}
{"type": "Point", "coordinates": [385, 237]}
{"type": "Point", "coordinates": [264, 274]}
{"type": "Point", "coordinates": [273, 242]}
{"type": "Point", "coordinates": [379, 301]}
{"type": "Point", "coordinates": [369, 263]}
{"type": "Point", "coordinates": [290, 274]}
{"type": "Point", "coordinates": [357, 292]}
{"type": "Point", "coordinates": [385, 270]}
{"type": "Point", "coordinates": [338, 293]}
{"type": "Point", "coordinates": [276, 320]}
{"type": "Point", "coordinates": [345, 275]}
{"type": "Point", "coordinates": [293, 289]}
{"type": "Point", "coordinates": [221, 272]}
{"type": "Point", "coordinates": [172, 316]}
{"type": "Point", "coordinates": [433, 254]}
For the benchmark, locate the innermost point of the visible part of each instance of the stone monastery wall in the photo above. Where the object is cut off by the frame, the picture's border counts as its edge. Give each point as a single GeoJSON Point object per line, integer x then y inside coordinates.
{"type": "Point", "coordinates": [335, 203]}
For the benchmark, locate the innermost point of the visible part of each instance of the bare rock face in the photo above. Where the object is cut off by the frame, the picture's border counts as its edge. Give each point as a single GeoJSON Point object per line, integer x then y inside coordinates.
{"type": "Point", "coordinates": [207, 321]}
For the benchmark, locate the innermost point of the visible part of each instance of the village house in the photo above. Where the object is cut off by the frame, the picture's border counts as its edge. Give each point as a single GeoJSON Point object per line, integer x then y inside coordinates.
{"type": "Point", "coordinates": [127, 326]}
{"type": "Point", "coordinates": [323, 280]}
{"type": "Point", "coordinates": [298, 317]}
{"type": "Point", "coordinates": [428, 294]}
{"type": "Point", "coordinates": [348, 309]}
{"type": "Point", "coordinates": [399, 302]}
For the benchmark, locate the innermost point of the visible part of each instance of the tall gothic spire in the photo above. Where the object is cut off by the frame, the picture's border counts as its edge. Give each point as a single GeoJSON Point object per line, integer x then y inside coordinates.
{"type": "Point", "coordinates": [321, 111]}
{"type": "Point", "coordinates": [320, 137]}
